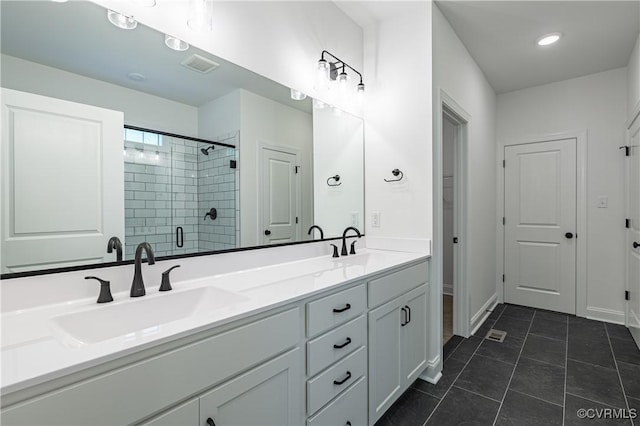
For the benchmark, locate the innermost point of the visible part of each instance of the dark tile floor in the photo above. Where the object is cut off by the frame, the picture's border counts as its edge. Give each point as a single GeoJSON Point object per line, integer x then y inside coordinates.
{"type": "Point", "coordinates": [549, 367]}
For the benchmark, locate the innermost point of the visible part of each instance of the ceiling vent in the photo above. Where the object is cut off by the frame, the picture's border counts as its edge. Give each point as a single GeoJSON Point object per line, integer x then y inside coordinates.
{"type": "Point", "coordinates": [199, 64]}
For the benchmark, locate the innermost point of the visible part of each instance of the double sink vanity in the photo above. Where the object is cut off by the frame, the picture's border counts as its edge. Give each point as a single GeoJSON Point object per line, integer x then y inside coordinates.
{"type": "Point", "coordinates": [313, 340]}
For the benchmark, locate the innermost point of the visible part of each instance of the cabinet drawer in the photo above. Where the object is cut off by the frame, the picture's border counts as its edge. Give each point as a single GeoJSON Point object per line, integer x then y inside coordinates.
{"type": "Point", "coordinates": [322, 388]}
{"type": "Point", "coordinates": [336, 344]}
{"type": "Point", "coordinates": [335, 309]}
{"type": "Point", "coordinates": [350, 407]}
{"type": "Point", "coordinates": [397, 283]}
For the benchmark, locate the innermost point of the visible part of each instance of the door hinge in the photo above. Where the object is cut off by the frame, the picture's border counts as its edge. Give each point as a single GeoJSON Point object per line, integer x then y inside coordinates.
{"type": "Point", "coordinates": [504, 164]}
{"type": "Point", "coordinates": [296, 219]}
{"type": "Point", "coordinates": [502, 277]}
{"type": "Point", "coordinates": [626, 295]}
{"type": "Point", "coordinates": [627, 150]}
{"type": "Point", "coordinates": [627, 223]}
{"type": "Point", "coordinates": [504, 220]}
{"type": "Point", "coordinates": [297, 168]}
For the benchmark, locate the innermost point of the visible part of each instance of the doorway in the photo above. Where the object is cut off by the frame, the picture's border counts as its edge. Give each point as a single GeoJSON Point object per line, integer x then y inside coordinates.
{"type": "Point", "coordinates": [449, 236]}
{"type": "Point", "coordinates": [449, 258]}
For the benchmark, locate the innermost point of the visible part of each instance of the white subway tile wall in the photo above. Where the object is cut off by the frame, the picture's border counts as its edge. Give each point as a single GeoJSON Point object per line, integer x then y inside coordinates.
{"type": "Point", "coordinates": [173, 186]}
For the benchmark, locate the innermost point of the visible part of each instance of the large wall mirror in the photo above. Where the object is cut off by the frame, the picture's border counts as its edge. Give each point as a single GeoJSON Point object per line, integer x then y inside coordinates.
{"type": "Point", "coordinates": [108, 132]}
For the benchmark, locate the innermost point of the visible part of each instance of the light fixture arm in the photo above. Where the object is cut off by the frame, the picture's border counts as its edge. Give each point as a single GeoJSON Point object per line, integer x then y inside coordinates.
{"type": "Point", "coordinates": [341, 63]}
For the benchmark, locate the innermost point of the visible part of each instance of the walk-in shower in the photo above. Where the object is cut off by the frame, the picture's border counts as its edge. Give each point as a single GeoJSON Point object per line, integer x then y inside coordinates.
{"type": "Point", "coordinates": [205, 151]}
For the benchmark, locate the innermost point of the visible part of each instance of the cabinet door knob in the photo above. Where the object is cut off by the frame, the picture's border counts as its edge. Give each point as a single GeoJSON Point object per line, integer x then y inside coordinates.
{"type": "Point", "coordinates": [210, 422]}
{"type": "Point", "coordinates": [636, 244]}
{"type": "Point", "coordinates": [267, 232]}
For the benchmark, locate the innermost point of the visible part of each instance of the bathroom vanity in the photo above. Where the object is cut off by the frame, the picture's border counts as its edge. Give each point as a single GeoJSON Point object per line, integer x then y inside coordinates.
{"type": "Point", "coordinates": [319, 341]}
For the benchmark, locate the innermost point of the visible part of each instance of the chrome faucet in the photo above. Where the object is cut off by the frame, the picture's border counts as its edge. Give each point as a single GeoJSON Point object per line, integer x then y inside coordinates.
{"type": "Point", "coordinates": [115, 243]}
{"type": "Point", "coordinates": [344, 240]}
{"type": "Point", "coordinates": [137, 286]}
{"type": "Point", "coordinates": [319, 229]}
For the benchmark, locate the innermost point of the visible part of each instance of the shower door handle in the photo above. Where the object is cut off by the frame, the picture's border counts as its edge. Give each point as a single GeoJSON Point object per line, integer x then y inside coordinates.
{"type": "Point", "coordinates": [179, 236]}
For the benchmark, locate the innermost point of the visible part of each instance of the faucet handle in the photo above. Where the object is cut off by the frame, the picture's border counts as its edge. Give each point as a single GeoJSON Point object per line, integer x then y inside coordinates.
{"type": "Point", "coordinates": [335, 250]}
{"type": "Point", "coordinates": [165, 285]}
{"type": "Point", "coordinates": [353, 247]}
{"type": "Point", "coordinates": [105, 290]}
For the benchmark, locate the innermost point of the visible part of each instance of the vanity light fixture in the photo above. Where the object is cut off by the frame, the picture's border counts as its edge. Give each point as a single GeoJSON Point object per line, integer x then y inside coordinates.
{"type": "Point", "coordinates": [121, 21]}
{"type": "Point", "coordinates": [297, 95]}
{"type": "Point", "coordinates": [175, 43]}
{"type": "Point", "coordinates": [336, 70]}
{"type": "Point", "coordinates": [548, 39]}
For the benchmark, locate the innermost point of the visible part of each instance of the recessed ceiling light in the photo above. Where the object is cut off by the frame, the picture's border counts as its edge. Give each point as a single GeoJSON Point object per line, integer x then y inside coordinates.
{"type": "Point", "coordinates": [175, 43]}
{"type": "Point", "coordinates": [297, 95]}
{"type": "Point", "coordinates": [136, 76]}
{"type": "Point", "coordinates": [548, 39]}
{"type": "Point", "coordinates": [121, 21]}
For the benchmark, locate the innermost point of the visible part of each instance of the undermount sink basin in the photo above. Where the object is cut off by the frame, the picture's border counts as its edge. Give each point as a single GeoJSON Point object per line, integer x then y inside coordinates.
{"type": "Point", "coordinates": [144, 314]}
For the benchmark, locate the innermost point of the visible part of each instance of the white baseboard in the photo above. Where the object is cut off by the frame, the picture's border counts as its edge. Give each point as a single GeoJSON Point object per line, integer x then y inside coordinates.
{"type": "Point", "coordinates": [607, 315]}
{"type": "Point", "coordinates": [447, 289]}
{"type": "Point", "coordinates": [433, 372]}
{"type": "Point", "coordinates": [636, 335]}
{"type": "Point", "coordinates": [481, 316]}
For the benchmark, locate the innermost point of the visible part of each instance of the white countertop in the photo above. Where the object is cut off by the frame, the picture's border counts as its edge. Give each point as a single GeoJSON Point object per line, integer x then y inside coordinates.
{"type": "Point", "coordinates": [47, 342]}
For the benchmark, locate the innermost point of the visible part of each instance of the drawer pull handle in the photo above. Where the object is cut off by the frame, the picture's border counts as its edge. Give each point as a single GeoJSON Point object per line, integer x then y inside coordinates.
{"type": "Point", "coordinates": [346, 308]}
{"type": "Point", "coordinates": [404, 319]}
{"type": "Point", "coordinates": [210, 422]}
{"type": "Point", "coordinates": [341, 382]}
{"type": "Point", "coordinates": [343, 345]}
{"type": "Point", "coordinates": [408, 314]}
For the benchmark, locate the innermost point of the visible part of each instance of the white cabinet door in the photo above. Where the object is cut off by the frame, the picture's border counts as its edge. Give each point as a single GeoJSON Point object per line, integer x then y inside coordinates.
{"type": "Point", "coordinates": [62, 178]}
{"type": "Point", "coordinates": [385, 357]}
{"type": "Point", "coordinates": [415, 335]}
{"type": "Point", "coordinates": [268, 395]}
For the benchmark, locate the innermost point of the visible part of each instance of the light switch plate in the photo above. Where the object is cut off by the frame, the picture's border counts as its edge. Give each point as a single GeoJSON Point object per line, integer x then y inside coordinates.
{"type": "Point", "coordinates": [375, 219]}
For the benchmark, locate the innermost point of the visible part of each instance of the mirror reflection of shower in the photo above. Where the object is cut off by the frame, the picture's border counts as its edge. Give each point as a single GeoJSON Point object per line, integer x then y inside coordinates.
{"type": "Point", "coordinates": [205, 151]}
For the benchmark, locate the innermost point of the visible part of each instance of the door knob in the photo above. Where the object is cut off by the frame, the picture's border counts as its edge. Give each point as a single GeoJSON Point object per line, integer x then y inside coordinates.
{"type": "Point", "coordinates": [568, 235]}
{"type": "Point", "coordinates": [267, 232]}
{"type": "Point", "coordinates": [636, 244]}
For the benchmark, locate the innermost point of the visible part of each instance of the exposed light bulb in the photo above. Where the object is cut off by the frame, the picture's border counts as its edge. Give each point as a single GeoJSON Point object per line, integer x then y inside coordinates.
{"type": "Point", "coordinates": [202, 17]}
{"type": "Point", "coordinates": [121, 21]}
{"type": "Point", "coordinates": [360, 92]}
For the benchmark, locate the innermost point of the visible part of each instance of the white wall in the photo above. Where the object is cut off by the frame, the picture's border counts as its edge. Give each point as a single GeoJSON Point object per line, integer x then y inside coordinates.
{"type": "Point", "coordinates": [633, 79]}
{"type": "Point", "coordinates": [455, 72]}
{"type": "Point", "coordinates": [281, 40]}
{"type": "Point", "coordinates": [219, 116]}
{"type": "Point", "coordinates": [338, 148]}
{"type": "Point", "coordinates": [140, 109]}
{"type": "Point", "coordinates": [596, 103]}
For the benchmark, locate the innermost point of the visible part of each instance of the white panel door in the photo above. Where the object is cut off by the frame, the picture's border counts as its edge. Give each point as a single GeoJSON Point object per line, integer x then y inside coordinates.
{"type": "Point", "coordinates": [540, 214]}
{"type": "Point", "coordinates": [62, 182]}
{"type": "Point", "coordinates": [633, 239]}
{"type": "Point", "coordinates": [278, 196]}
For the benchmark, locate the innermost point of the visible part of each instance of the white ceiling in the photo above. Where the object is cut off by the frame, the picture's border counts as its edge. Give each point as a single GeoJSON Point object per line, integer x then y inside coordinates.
{"type": "Point", "coordinates": [77, 37]}
{"type": "Point", "coordinates": [501, 35]}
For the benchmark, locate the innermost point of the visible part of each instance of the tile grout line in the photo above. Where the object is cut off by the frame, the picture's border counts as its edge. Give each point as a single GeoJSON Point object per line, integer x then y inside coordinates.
{"type": "Point", "coordinates": [514, 368]}
{"type": "Point", "coordinates": [615, 362]}
{"type": "Point", "coordinates": [536, 397]}
{"type": "Point", "coordinates": [606, 404]}
{"type": "Point", "coordinates": [457, 376]}
{"type": "Point", "coordinates": [566, 373]}
{"type": "Point", "coordinates": [476, 393]}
